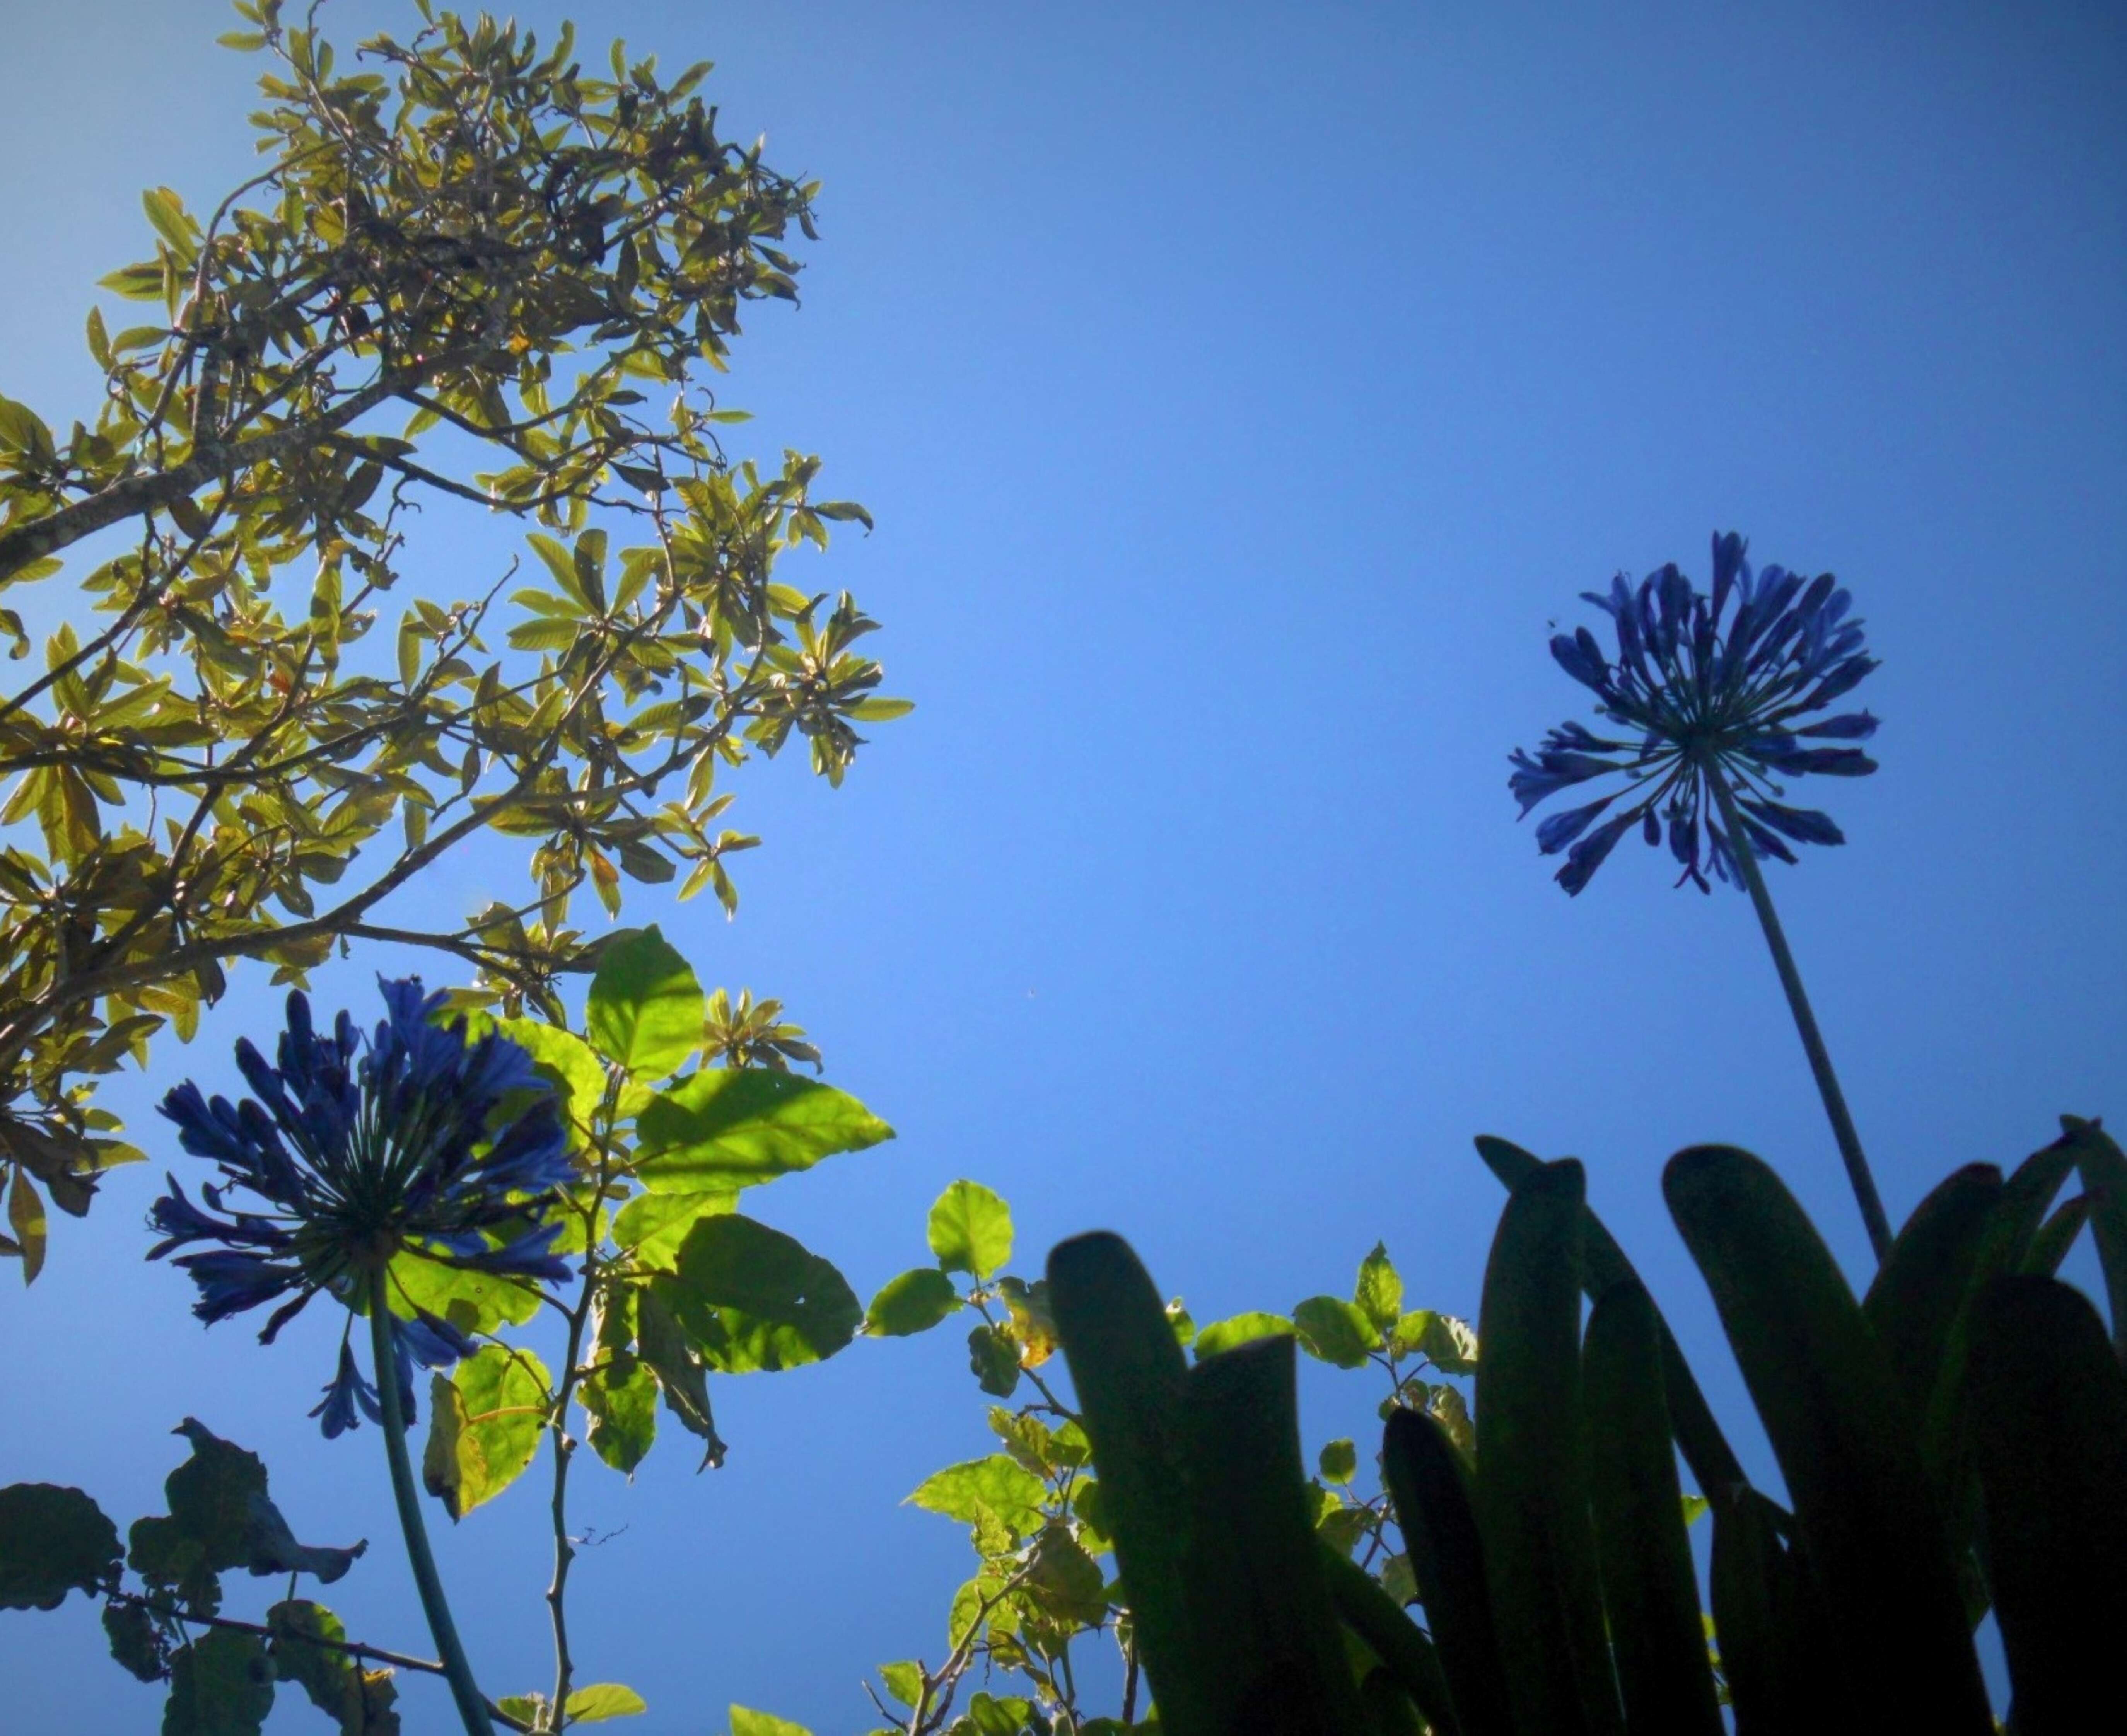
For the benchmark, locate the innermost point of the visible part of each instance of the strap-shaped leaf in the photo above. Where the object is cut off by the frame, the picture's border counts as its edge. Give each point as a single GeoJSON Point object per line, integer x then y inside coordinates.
{"type": "Point", "coordinates": [1706, 1449]}
{"type": "Point", "coordinates": [1434, 1509]}
{"type": "Point", "coordinates": [1393, 1636]}
{"type": "Point", "coordinates": [1531, 1481]}
{"type": "Point", "coordinates": [2104, 1184]}
{"type": "Point", "coordinates": [1825, 1396]}
{"type": "Point", "coordinates": [2012, 1234]}
{"type": "Point", "coordinates": [1266, 1632]}
{"type": "Point", "coordinates": [1926, 1278]}
{"type": "Point", "coordinates": [1756, 1591]}
{"type": "Point", "coordinates": [1129, 1375]}
{"type": "Point", "coordinates": [1650, 1588]}
{"type": "Point", "coordinates": [2049, 1431]}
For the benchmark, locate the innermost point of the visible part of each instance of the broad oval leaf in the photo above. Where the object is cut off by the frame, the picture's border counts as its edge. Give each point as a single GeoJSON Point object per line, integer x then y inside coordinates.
{"type": "Point", "coordinates": [998, 1485]}
{"type": "Point", "coordinates": [730, 1127]}
{"type": "Point", "coordinates": [970, 1230]}
{"type": "Point", "coordinates": [484, 1426]}
{"type": "Point", "coordinates": [652, 1226]}
{"type": "Point", "coordinates": [1335, 1332]}
{"type": "Point", "coordinates": [753, 1299]}
{"type": "Point", "coordinates": [913, 1302]}
{"type": "Point", "coordinates": [1238, 1329]}
{"type": "Point", "coordinates": [604, 1700]}
{"type": "Point", "coordinates": [53, 1540]}
{"type": "Point", "coordinates": [647, 1010]}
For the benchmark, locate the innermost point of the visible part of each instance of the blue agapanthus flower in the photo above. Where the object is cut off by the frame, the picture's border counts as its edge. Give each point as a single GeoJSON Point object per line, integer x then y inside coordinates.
{"type": "Point", "coordinates": [355, 1150]}
{"type": "Point", "coordinates": [1703, 686]}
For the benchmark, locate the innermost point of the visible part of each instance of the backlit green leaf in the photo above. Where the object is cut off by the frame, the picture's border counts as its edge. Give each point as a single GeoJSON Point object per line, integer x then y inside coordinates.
{"type": "Point", "coordinates": [996, 1484]}
{"type": "Point", "coordinates": [1237, 1329]}
{"type": "Point", "coordinates": [1335, 1331]}
{"type": "Point", "coordinates": [646, 1009]}
{"type": "Point", "coordinates": [1378, 1292]}
{"type": "Point", "coordinates": [750, 1298]}
{"type": "Point", "coordinates": [652, 1226]}
{"type": "Point", "coordinates": [604, 1700]}
{"type": "Point", "coordinates": [484, 1426]}
{"type": "Point", "coordinates": [970, 1230]}
{"type": "Point", "coordinates": [913, 1302]}
{"type": "Point", "coordinates": [729, 1128]}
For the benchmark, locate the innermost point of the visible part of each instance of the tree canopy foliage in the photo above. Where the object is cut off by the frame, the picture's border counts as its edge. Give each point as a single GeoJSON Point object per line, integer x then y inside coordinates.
{"type": "Point", "coordinates": [467, 271]}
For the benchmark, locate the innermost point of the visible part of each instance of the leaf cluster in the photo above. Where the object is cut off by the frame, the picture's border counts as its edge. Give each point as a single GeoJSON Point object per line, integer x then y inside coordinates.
{"type": "Point", "coordinates": [469, 270]}
{"type": "Point", "coordinates": [1037, 1514]}
{"type": "Point", "coordinates": [166, 1625]}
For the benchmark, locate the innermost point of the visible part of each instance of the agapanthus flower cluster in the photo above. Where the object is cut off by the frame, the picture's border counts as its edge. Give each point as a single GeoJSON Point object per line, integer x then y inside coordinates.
{"type": "Point", "coordinates": [1703, 686]}
{"type": "Point", "coordinates": [355, 1150]}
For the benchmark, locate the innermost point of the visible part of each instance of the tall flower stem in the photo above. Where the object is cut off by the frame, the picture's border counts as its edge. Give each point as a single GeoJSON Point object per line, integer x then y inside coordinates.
{"type": "Point", "coordinates": [1813, 1040]}
{"type": "Point", "coordinates": [472, 1706]}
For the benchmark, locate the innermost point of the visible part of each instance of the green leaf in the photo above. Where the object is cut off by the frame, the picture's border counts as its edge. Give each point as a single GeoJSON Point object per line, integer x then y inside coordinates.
{"type": "Point", "coordinates": [730, 1127]}
{"type": "Point", "coordinates": [604, 1700]}
{"type": "Point", "coordinates": [472, 1302]}
{"type": "Point", "coordinates": [1379, 1292]}
{"type": "Point", "coordinates": [2049, 1426]}
{"type": "Point", "coordinates": [993, 1359]}
{"type": "Point", "coordinates": [137, 1645]}
{"type": "Point", "coordinates": [652, 1226]}
{"type": "Point", "coordinates": [903, 1680]}
{"type": "Point", "coordinates": [751, 1299]}
{"type": "Point", "coordinates": [484, 1426]}
{"type": "Point", "coordinates": [26, 1218]}
{"type": "Point", "coordinates": [220, 1518]}
{"type": "Point", "coordinates": [1650, 1587]}
{"type": "Point", "coordinates": [1065, 1582]}
{"type": "Point", "coordinates": [564, 1059]}
{"type": "Point", "coordinates": [220, 1685]}
{"type": "Point", "coordinates": [621, 1398]}
{"type": "Point", "coordinates": [1238, 1329]}
{"type": "Point", "coordinates": [1374, 1613]}
{"type": "Point", "coordinates": [913, 1302]}
{"type": "Point", "coordinates": [1338, 1462]}
{"type": "Point", "coordinates": [745, 1722]}
{"type": "Point", "coordinates": [970, 1230]}
{"type": "Point", "coordinates": [2104, 1184]}
{"type": "Point", "coordinates": [1926, 1274]}
{"type": "Point", "coordinates": [1335, 1331]}
{"type": "Point", "coordinates": [1445, 1342]}
{"type": "Point", "coordinates": [998, 1484]}
{"type": "Point", "coordinates": [1130, 1381]}
{"type": "Point", "coordinates": [1251, 1524]}
{"type": "Point", "coordinates": [1713, 1463]}
{"type": "Point", "coordinates": [664, 1350]}
{"type": "Point", "coordinates": [1532, 1486]}
{"type": "Point", "coordinates": [52, 1540]}
{"type": "Point", "coordinates": [647, 1010]}
{"type": "Point", "coordinates": [360, 1700]}
{"type": "Point", "coordinates": [166, 211]}
{"type": "Point", "coordinates": [1431, 1491]}
{"type": "Point", "coordinates": [1844, 1443]}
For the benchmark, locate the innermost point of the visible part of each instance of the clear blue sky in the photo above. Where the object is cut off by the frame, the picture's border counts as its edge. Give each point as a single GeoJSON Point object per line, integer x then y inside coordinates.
{"type": "Point", "coordinates": [1242, 391]}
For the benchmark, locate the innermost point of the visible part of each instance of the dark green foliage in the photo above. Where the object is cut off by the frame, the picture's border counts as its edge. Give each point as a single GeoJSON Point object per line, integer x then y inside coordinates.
{"type": "Point", "coordinates": [53, 1540]}
{"type": "Point", "coordinates": [1825, 1393]}
{"type": "Point", "coordinates": [1431, 1490]}
{"type": "Point", "coordinates": [1649, 1586]}
{"type": "Point", "coordinates": [1556, 1580]}
{"type": "Point", "coordinates": [2049, 1432]}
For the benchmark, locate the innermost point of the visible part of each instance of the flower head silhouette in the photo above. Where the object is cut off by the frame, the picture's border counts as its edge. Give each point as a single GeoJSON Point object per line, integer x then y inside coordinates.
{"type": "Point", "coordinates": [1712, 691]}
{"type": "Point", "coordinates": [352, 1150]}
